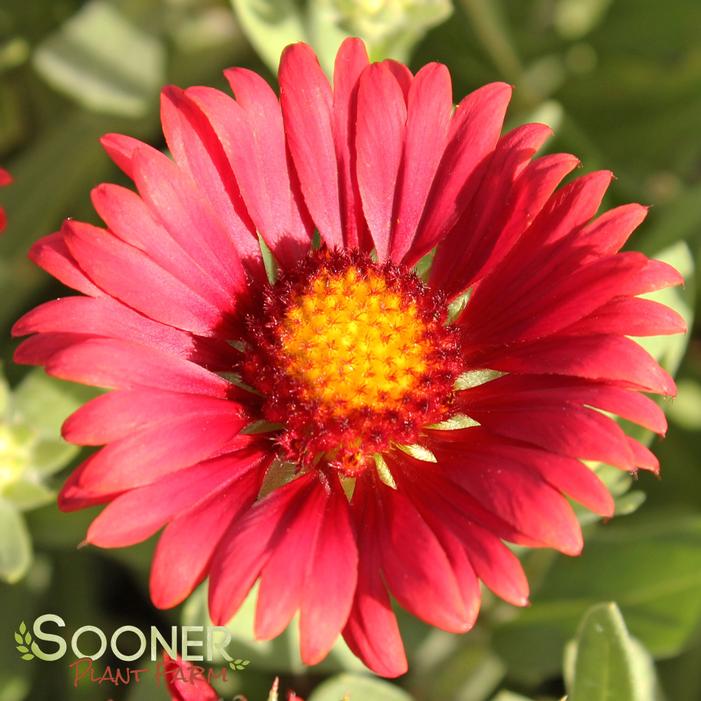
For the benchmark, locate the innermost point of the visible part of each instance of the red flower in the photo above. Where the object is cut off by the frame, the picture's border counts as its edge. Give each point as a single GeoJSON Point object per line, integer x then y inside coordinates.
{"type": "Point", "coordinates": [5, 179]}
{"type": "Point", "coordinates": [415, 438]}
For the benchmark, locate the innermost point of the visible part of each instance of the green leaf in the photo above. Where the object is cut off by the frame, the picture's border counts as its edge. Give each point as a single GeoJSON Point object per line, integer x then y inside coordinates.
{"type": "Point", "coordinates": [25, 494]}
{"type": "Point", "coordinates": [356, 687]}
{"type": "Point", "coordinates": [270, 25]}
{"type": "Point", "coordinates": [15, 544]}
{"type": "Point", "coordinates": [652, 569]}
{"type": "Point", "coordinates": [104, 61]}
{"type": "Point", "coordinates": [607, 664]}
{"type": "Point", "coordinates": [19, 639]}
{"type": "Point", "coordinates": [44, 402]}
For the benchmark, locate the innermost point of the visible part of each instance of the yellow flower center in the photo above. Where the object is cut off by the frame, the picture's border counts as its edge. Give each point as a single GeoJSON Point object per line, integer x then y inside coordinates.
{"type": "Point", "coordinates": [354, 343]}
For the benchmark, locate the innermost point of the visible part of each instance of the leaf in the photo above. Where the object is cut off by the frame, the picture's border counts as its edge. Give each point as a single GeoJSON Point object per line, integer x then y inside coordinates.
{"type": "Point", "coordinates": [44, 402]}
{"type": "Point", "coordinates": [25, 494]}
{"type": "Point", "coordinates": [103, 61]}
{"type": "Point", "coordinates": [509, 696]}
{"type": "Point", "coordinates": [18, 639]}
{"type": "Point", "coordinates": [652, 569]}
{"type": "Point", "coordinates": [15, 544]}
{"type": "Point", "coordinates": [358, 687]}
{"type": "Point", "coordinates": [270, 25]}
{"type": "Point", "coordinates": [607, 664]}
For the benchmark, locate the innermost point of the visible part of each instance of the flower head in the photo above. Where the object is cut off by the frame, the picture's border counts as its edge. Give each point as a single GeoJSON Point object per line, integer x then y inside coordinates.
{"type": "Point", "coordinates": [349, 429]}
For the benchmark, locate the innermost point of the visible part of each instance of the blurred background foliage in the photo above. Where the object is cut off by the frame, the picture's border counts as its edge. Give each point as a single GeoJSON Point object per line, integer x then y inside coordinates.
{"type": "Point", "coordinates": [619, 81]}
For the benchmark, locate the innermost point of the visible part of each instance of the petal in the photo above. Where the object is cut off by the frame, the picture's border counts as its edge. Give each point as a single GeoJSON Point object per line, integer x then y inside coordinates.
{"type": "Point", "coordinates": [52, 255]}
{"type": "Point", "coordinates": [247, 546]}
{"type": "Point", "coordinates": [132, 277]}
{"type": "Point", "coordinates": [597, 357]}
{"type": "Point", "coordinates": [331, 579]}
{"type": "Point", "coordinates": [474, 131]}
{"type": "Point", "coordinates": [306, 100]}
{"type": "Point", "coordinates": [506, 208]}
{"type": "Point", "coordinates": [409, 545]}
{"type": "Point", "coordinates": [351, 60]}
{"type": "Point", "coordinates": [105, 317]}
{"type": "Point", "coordinates": [187, 544]}
{"type": "Point", "coordinates": [118, 414]}
{"type": "Point", "coordinates": [514, 493]}
{"type": "Point", "coordinates": [372, 632]}
{"type": "Point", "coordinates": [141, 512]}
{"type": "Point", "coordinates": [141, 458]}
{"type": "Point", "coordinates": [282, 578]}
{"type": "Point", "coordinates": [129, 219]}
{"type": "Point", "coordinates": [380, 133]}
{"type": "Point", "coordinates": [115, 364]}
{"type": "Point", "coordinates": [429, 109]}
{"type": "Point", "coordinates": [198, 151]}
{"type": "Point", "coordinates": [174, 201]}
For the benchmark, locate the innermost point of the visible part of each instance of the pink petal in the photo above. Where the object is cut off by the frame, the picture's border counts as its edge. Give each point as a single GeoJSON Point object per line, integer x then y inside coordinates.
{"type": "Point", "coordinates": [331, 578]}
{"type": "Point", "coordinates": [187, 544]}
{"type": "Point", "coordinates": [115, 364]}
{"type": "Point", "coordinates": [141, 512]}
{"type": "Point", "coordinates": [121, 150]}
{"type": "Point", "coordinates": [306, 100]}
{"type": "Point", "coordinates": [52, 255]}
{"type": "Point", "coordinates": [197, 150]}
{"type": "Point", "coordinates": [351, 60]}
{"type": "Point", "coordinates": [429, 109]}
{"type": "Point", "coordinates": [506, 208]}
{"type": "Point", "coordinates": [474, 131]}
{"type": "Point", "coordinates": [380, 133]}
{"type": "Point", "coordinates": [132, 277]}
{"type": "Point", "coordinates": [247, 547]}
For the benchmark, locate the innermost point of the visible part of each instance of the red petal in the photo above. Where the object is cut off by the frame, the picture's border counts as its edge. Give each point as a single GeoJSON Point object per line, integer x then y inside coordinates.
{"type": "Point", "coordinates": [486, 232]}
{"type": "Point", "coordinates": [139, 513]}
{"type": "Point", "coordinates": [132, 277]}
{"type": "Point", "coordinates": [331, 580]}
{"type": "Point", "coordinates": [409, 545]}
{"type": "Point", "coordinates": [199, 152]}
{"type": "Point", "coordinates": [430, 105]}
{"type": "Point", "coordinates": [118, 414]}
{"type": "Point", "coordinates": [601, 357]}
{"type": "Point", "coordinates": [115, 364]}
{"type": "Point", "coordinates": [282, 579]}
{"type": "Point", "coordinates": [380, 132]}
{"type": "Point", "coordinates": [247, 547]}
{"type": "Point", "coordinates": [305, 96]}
{"type": "Point", "coordinates": [372, 632]}
{"type": "Point", "coordinates": [188, 542]}
{"type": "Point", "coordinates": [351, 60]}
{"type": "Point", "coordinates": [474, 131]}
{"type": "Point", "coordinates": [52, 255]}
